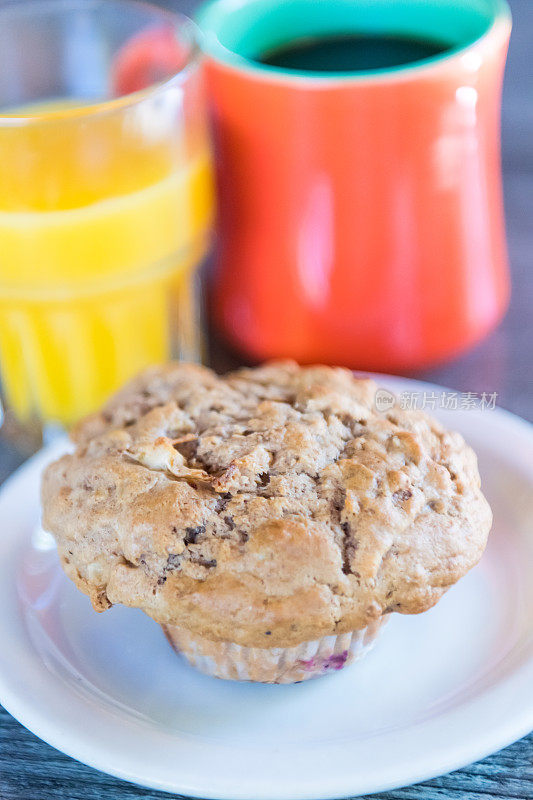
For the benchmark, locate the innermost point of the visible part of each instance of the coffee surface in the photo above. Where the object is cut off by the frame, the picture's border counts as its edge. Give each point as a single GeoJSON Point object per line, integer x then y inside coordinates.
{"type": "Point", "coordinates": [350, 53]}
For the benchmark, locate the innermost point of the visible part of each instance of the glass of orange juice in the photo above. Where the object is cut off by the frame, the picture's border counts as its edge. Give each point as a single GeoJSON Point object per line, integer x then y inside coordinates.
{"type": "Point", "coordinates": [106, 199]}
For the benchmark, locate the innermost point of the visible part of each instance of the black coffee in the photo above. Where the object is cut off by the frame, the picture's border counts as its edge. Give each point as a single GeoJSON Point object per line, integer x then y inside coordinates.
{"type": "Point", "coordinates": [351, 52]}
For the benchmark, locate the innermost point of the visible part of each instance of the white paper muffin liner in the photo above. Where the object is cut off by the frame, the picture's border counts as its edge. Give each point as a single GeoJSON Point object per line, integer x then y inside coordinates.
{"type": "Point", "coordinates": [274, 664]}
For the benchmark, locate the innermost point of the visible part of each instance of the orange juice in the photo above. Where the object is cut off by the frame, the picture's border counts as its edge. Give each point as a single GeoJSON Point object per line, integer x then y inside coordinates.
{"type": "Point", "coordinates": [100, 231]}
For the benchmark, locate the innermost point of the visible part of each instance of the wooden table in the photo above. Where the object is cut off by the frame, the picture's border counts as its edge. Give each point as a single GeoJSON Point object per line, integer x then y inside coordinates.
{"type": "Point", "coordinates": [31, 770]}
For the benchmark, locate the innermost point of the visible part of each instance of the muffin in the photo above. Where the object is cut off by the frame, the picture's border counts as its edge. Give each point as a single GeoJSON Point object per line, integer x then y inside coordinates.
{"type": "Point", "coordinates": [270, 520]}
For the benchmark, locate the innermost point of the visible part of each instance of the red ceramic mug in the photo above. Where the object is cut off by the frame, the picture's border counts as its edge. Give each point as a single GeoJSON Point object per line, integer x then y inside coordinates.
{"type": "Point", "coordinates": [360, 214]}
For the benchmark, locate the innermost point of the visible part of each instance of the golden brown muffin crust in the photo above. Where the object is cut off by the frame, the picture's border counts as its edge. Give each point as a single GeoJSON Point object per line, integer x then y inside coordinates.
{"type": "Point", "coordinates": [267, 507]}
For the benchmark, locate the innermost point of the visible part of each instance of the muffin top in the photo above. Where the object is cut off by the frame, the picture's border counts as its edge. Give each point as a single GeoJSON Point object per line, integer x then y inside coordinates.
{"type": "Point", "coordinates": [267, 507]}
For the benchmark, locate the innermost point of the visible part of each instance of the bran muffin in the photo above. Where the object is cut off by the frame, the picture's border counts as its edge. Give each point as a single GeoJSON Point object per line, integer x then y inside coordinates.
{"type": "Point", "coordinates": [270, 519]}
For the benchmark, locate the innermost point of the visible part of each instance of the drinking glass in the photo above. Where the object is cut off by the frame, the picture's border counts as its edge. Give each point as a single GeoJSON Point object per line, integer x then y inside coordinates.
{"type": "Point", "coordinates": [106, 200]}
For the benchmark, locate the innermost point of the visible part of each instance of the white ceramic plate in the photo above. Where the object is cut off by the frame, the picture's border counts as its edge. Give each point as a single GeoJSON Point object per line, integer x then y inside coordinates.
{"type": "Point", "coordinates": [440, 690]}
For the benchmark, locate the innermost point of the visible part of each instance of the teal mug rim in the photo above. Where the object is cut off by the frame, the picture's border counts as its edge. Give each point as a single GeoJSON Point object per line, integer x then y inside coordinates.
{"type": "Point", "coordinates": [212, 46]}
